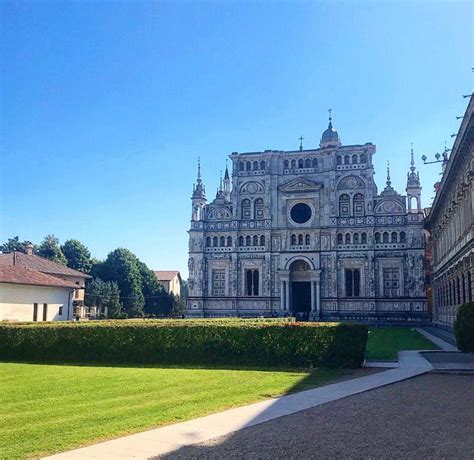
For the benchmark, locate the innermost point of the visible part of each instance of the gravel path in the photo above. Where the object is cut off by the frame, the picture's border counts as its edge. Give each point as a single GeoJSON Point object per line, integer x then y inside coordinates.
{"type": "Point", "coordinates": [431, 416]}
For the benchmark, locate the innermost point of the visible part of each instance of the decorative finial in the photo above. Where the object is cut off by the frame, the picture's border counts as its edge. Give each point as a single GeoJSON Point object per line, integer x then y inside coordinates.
{"type": "Point", "coordinates": [389, 183]}
{"type": "Point", "coordinates": [412, 168]}
{"type": "Point", "coordinates": [220, 182]}
{"type": "Point", "coordinates": [301, 138]}
{"type": "Point", "coordinates": [330, 118]}
{"type": "Point", "coordinates": [199, 168]}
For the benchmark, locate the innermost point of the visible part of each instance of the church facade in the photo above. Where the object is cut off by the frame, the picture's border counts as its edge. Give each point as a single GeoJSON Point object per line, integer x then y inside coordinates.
{"type": "Point", "coordinates": [306, 233]}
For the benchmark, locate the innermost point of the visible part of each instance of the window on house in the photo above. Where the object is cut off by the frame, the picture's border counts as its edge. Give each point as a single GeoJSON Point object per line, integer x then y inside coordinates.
{"type": "Point", "coordinates": [354, 159]}
{"type": "Point", "coordinates": [293, 164]}
{"type": "Point", "coordinates": [248, 166]}
{"type": "Point", "coordinates": [252, 282]}
{"type": "Point", "coordinates": [340, 238]}
{"type": "Point", "coordinates": [385, 237]}
{"type": "Point", "coordinates": [300, 164]}
{"type": "Point", "coordinates": [258, 213]}
{"type": "Point", "coordinates": [222, 241]}
{"type": "Point", "coordinates": [208, 241]}
{"type": "Point", "coordinates": [241, 240]}
{"type": "Point", "coordinates": [377, 238]}
{"type": "Point", "coordinates": [262, 240]}
{"type": "Point", "coordinates": [315, 162]}
{"type": "Point", "coordinates": [255, 165]}
{"type": "Point", "coordinates": [229, 241]}
{"type": "Point", "coordinates": [262, 165]}
{"type": "Point", "coordinates": [255, 240]}
{"type": "Point", "coordinates": [352, 282]}
{"type": "Point", "coordinates": [60, 312]}
{"type": "Point", "coordinates": [348, 238]}
{"type": "Point", "coordinates": [359, 204]}
{"type": "Point", "coordinates": [347, 159]}
{"type": "Point", "coordinates": [394, 237]}
{"type": "Point", "coordinates": [246, 209]}
{"type": "Point", "coordinates": [248, 240]}
{"type": "Point", "coordinates": [215, 241]}
{"type": "Point", "coordinates": [391, 282]}
{"type": "Point", "coordinates": [35, 312]}
{"type": "Point", "coordinates": [364, 238]}
{"type": "Point", "coordinates": [307, 240]}
{"type": "Point", "coordinates": [293, 239]}
{"type": "Point", "coordinates": [344, 205]}
{"type": "Point", "coordinates": [218, 282]}
{"type": "Point", "coordinates": [300, 239]}
{"type": "Point", "coordinates": [45, 312]}
{"type": "Point", "coordinates": [356, 238]}
{"type": "Point", "coordinates": [308, 163]}
{"type": "Point", "coordinates": [402, 237]}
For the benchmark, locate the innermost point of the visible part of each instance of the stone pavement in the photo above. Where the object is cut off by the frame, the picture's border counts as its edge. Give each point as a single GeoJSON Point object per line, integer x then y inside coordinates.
{"type": "Point", "coordinates": [438, 339]}
{"type": "Point", "coordinates": [168, 439]}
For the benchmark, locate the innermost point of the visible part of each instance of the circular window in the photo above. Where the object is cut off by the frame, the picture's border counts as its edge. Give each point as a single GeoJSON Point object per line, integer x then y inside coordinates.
{"type": "Point", "coordinates": [300, 213]}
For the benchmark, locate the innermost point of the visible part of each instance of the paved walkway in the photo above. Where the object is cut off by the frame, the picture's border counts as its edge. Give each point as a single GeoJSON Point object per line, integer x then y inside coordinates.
{"type": "Point", "coordinates": [168, 439]}
{"type": "Point", "coordinates": [438, 339]}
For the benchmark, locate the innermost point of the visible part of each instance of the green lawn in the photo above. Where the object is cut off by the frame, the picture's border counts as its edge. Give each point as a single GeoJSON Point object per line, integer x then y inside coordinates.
{"type": "Point", "coordinates": [385, 343]}
{"type": "Point", "coordinates": [51, 408]}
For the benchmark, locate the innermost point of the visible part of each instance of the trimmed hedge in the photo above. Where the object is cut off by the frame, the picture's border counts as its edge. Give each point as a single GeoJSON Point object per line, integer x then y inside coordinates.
{"type": "Point", "coordinates": [199, 342]}
{"type": "Point", "coordinates": [464, 327]}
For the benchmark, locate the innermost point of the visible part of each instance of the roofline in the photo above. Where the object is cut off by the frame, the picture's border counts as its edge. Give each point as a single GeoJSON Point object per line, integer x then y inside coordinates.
{"type": "Point", "coordinates": [71, 286]}
{"type": "Point", "coordinates": [318, 149]}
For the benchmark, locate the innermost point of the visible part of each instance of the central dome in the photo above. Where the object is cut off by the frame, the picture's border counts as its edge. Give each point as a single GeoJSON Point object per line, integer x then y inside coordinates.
{"type": "Point", "coordinates": [330, 137]}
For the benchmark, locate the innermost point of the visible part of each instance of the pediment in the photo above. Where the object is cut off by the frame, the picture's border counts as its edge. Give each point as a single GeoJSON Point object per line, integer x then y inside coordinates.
{"type": "Point", "coordinates": [389, 206]}
{"type": "Point", "coordinates": [219, 212]}
{"type": "Point", "coordinates": [300, 184]}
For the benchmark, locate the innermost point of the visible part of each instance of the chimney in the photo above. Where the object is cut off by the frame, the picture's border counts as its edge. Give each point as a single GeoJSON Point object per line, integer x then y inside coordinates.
{"type": "Point", "coordinates": [29, 249]}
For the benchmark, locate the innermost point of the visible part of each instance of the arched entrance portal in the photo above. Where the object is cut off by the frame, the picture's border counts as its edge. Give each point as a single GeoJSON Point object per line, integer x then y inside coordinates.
{"type": "Point", "coordinates": [300, 282]}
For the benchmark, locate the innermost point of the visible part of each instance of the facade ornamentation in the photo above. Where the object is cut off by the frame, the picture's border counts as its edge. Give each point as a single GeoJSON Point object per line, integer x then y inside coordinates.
{"type": "Point", "coordinates": [305, 232]}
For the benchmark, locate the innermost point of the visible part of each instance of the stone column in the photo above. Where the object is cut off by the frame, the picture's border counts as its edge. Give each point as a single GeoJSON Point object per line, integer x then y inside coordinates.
{"type": "Point", "coordinates": [313, 296]}
{"type": "Point", "coordinates": [318, 297]}
{"type": "Point", "coordinates": [282, 295]}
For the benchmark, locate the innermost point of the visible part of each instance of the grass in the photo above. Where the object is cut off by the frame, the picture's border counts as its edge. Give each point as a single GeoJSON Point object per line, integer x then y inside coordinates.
{"type": "Point", "coordinates": [51, 408]}
{"type": "Point", "coordinates": [385, 343]}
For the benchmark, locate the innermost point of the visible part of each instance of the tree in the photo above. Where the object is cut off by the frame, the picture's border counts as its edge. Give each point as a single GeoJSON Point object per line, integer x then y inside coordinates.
{"type": "Point", "coordinates": [77, 255]}
{"type": "Point", "coordinates": [104, 295]}
{"type": "Point", "coordinates": [14, 244]}
{"type": "Point", "coordinates": [121, 266]}
{"type": "Point", "coordinates": [49, 249]}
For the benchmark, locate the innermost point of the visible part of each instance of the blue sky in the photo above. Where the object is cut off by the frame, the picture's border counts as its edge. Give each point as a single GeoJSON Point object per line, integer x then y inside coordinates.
{"type": "Point", "coordinates": [105, 106]}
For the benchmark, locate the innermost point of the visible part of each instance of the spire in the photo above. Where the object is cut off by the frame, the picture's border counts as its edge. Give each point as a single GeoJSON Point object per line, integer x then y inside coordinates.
{"type": "Point", "coordinates": [226, 183]}
{"type": "Point", "coordinates": [389, 182]}
{"type": "Point", "coordinates": [226, 173]}
{"type": "Point", "coordinates": [330, 137]}
{"type": "Point", "coordinates": [199, 191]}
{"type": "Point", "coordinates": [301, 138]}
{"type": "Point", "coordinates": [413, 178]}
{"type": "Point", "coordinates": [220, 183]}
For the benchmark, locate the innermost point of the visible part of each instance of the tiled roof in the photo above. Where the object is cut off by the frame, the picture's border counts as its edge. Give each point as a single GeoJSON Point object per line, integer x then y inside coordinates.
{"type": "Point", "coordinates": [19, 275]}
{"type": "Point", "coordinates": [34, 262]}
{"type": "Point", "coordinates": [166, 275]}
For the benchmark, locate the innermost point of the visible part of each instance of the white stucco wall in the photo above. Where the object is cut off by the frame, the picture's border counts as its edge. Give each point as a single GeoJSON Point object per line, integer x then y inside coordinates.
{"type": "Point", "coordinates": [16, 302]}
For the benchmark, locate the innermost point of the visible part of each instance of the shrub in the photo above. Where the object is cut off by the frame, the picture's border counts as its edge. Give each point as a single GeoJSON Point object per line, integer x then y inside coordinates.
{"type": "Point", "coordinates": [199, 342]}
{"type": "Point", "coordinates": [464, 327]}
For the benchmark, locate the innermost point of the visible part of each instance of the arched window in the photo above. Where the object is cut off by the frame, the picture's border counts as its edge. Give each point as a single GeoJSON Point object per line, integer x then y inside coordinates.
{"type": "Point", "coordinates": [286, 164]}
{"type": "Point", "coordinates": [255, 240]}
{"type": "Point", "coordinates": [241, 166]}
{"type": "Point", "coordinates": [255, 165]}
{"type": "Point", "coordinates": [248, 166]}
{"type": "Point", "coordinates": [385, 237]}
{"type": "Point", "coordinates": [262, 165]}
{"type": "Point", "coordinates": [352, 282]}
{"type": "Point", "coordinates": [377, 238]}
{"type": "Point", "coordinates": [363, 158]}
{"type": "Point", "coordinates": [356, 238]}
{"type": "Point", "coordinates": [348, 238]}
{"type": "Point", "coordinates": [262, 240]}
{"type": "Point", "coordinates": [215, 241]}
{"type": "Point", "coordinates": [359, 204]}
{"type": "Point", "coordinates": [354, 159]}
{"type": "Point", "coordinates": [293, 239]}
{"type": "Point", "coordinates": [300, 239]}
{"type": "Point", "coordinates": [344, 205]}
{"type": "Point", "coordinates": [347, 159]}
{"type": "Point", "coordinates": [300, 163]}
{"type": "Point", "coordinates": [307, 163]}
{"type": "Point", "coordinates": [315, 162]}
{"type": "Point", "coordinates": [208, 241]}
{"type": "Point", "coordinates": [241, 240]}
{"type": "Point", "coordinates": [229, 241]}
{"type": "Point", "coordinates": [394, 237]}
{"type": "Point", "coordinates": [248, 240]}
{"type": "Point", "coordinates": [293, 164]}
{"type": "Point", "coordinates": [403, 237]}
{"type": "Point", "coordinates": [251, 282]}
{"type": "Point", "coordinates": [246, 209]}
{"type": "Point", "coordinates": [307, 240]}
{"type": "Point", "coordinates": [340, 238]}
{"type": "Point", "coordinates": [258, 209]}
{"type": "Point", "coordinates": [338, 160]}
{"type": "Point", "coordinates": [364, 238]}
{"type": "Point", "coordinates": [222, 241]}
